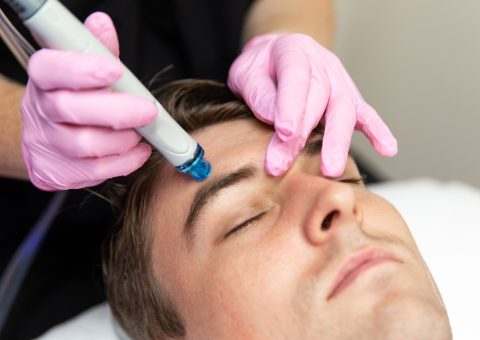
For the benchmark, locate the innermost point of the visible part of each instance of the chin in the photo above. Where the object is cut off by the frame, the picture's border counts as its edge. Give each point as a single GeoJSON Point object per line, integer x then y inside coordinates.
{"type": "Point", "coordinates": [403, 317]}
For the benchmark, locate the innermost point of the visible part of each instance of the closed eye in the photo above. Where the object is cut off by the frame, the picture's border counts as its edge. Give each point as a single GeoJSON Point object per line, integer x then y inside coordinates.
{"type": "Point", "coordinates": [245, 224]}
{"type": "Point", "coordinates": [354, 180]}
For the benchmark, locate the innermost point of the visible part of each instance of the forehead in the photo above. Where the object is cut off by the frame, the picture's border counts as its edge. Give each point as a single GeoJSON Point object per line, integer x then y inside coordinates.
{"type": "Point", "coordinates": [226, 145]}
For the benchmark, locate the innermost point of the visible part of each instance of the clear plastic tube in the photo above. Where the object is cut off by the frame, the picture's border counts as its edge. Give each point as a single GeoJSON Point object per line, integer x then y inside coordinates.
{"type": "Point", "coordinates": [18, 45]}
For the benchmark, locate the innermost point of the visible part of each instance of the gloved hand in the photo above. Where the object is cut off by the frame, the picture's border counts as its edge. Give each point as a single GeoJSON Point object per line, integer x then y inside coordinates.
{"type": "Point", "coordinates": [76, 132]}
{"type": "Point", "coordinates": [292, 82]}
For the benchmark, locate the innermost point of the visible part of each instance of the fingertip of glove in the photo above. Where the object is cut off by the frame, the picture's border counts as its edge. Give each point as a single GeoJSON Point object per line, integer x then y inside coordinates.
{"type": "Point", "coordinates": [108, 69]}
{"type": "Point", "coordinates": [135, 112]}
{"type": "Point", "coordinates": [146, 150]}
{"type": "Point", "coordinates": [149, 112]}
{"type": "Point", "coordinates": [134, 159]}
{"type": "Point", "coordinates": [34, 67]}
{"type": "Point", "coordinates": [143, 152]}
{"type": "Point", "coordinates": [389, 149]}
{"type": "Point", "coordinates": [277, 162]}
{"type": "Point", "coordinates": [102, 26]}
{"type": "Point", "coordinates": [332, 166]}
{"type": "Point", "coordinates": [273, 169]}
{"type": "Point", "coordinates": [98, 21]}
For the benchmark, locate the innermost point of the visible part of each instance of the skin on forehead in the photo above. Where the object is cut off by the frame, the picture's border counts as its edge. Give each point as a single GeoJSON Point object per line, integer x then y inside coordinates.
{"type": "Point", "coordinates": [271, 279]}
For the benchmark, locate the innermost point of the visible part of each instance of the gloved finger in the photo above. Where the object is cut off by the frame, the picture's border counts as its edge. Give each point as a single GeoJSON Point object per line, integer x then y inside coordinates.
{"type": "Point", "coordinates": [53, 69]}
{"type": "Point", "coordinates": [316, 105]}
{"type": "Point", "coordinates": [87, 142]}
{"type": "Point", "coordinates": [100, 169]}
{"type": "Point", "coordinates": [99, 108]}
{"type": "Point", "coordinates": [101, 25]}
{"type": "Point", "coordinates": [377, 132]}
{"type": "Point", "coordinates": [280, 154]}
{"type": "Point", "coordinates": [340, 120]}
{"type": "Point", "coordinates": [75, 174]}
{"type": "Point", "coordinates": [261, 98]}
{"type": "Point", "coordinates": [293, 72]}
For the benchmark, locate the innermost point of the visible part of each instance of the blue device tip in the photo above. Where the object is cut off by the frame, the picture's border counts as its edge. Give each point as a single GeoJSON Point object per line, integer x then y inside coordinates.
{"type": "Point", "coordinates": [198, 168]}
{"type": "Point", "coordinates": [201, 170]}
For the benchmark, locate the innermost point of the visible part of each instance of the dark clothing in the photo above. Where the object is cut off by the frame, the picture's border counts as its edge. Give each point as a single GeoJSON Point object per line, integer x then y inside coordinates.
{"type": "Point", "coordinates": [200, 38]}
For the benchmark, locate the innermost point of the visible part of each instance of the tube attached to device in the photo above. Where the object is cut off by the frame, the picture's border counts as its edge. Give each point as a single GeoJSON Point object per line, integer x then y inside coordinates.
{"type": "Point", "coordinates": [53, 26]}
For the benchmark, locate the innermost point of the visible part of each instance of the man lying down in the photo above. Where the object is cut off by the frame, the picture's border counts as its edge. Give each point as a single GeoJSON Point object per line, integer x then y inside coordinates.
{"type": "Point", "coordinates": [245, 255]}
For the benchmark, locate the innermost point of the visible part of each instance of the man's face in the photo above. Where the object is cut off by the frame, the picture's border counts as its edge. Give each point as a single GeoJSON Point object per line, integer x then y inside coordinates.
{"type": "Point", "coordinates": [298, 256]}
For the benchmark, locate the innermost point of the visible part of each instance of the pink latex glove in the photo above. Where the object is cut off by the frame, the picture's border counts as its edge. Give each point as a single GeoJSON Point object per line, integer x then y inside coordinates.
{"type": "Point", "coordinates": [76, 132]}
{"type": "Point", "coordinates": [293, 83]}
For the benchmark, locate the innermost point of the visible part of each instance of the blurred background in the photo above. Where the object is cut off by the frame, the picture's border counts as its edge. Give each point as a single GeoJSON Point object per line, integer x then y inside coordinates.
{"type": "Point", "coordinates": [418, 64]}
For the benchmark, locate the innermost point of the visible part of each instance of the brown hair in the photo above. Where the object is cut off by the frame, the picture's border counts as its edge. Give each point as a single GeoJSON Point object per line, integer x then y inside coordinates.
{"type": "Point", "coordinates": [136, 298]}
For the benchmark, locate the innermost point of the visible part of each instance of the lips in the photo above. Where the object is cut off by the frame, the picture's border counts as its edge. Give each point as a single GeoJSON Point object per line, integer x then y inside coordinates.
{"type": "Point", "coordinates": [356, 265]}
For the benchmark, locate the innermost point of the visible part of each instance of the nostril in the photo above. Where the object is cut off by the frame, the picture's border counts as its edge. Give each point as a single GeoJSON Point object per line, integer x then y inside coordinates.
{"type": "Point", "coordinates": [327, 221]}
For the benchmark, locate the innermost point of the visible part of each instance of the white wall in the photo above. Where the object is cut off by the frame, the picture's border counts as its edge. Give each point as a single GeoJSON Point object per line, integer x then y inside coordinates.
{"type": "Point", "coordinates": [418, 63]}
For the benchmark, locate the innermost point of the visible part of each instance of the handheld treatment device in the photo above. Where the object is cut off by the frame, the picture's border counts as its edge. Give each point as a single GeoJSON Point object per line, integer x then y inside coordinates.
{"type": "Point", "coordinates": [53, 26]}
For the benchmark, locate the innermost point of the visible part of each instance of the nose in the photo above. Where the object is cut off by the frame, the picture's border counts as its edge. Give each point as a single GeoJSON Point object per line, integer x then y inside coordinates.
{"type": "Point", "coordinates": [329, 204]}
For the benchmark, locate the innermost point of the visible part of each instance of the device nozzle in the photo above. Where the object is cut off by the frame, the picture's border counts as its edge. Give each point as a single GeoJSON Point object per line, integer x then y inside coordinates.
{"type": "Point", "coordinates": [198, 168]}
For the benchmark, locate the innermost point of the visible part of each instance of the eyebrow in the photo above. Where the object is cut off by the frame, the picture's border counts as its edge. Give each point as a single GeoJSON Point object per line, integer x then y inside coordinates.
{"type": "Point", "coordinates": [313, 147]}
{"type": "Point", "coordinates": [208, 191]}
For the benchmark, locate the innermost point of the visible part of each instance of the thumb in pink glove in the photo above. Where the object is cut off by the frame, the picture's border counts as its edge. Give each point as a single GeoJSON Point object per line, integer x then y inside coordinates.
{"type": "Point", "coordinates": [77, 132]}
{"type": "Point", "coordinates": [293, 83]}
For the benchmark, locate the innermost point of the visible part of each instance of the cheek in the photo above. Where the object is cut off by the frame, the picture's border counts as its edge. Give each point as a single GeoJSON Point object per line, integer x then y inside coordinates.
{"type": "Point", "coordinates": [252, 288]}
{"type": "Point", "coordinates": [382, 220]}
